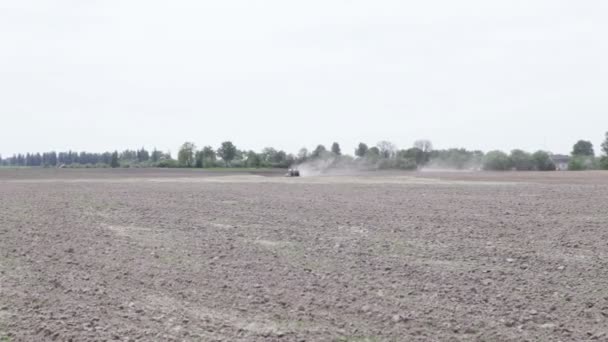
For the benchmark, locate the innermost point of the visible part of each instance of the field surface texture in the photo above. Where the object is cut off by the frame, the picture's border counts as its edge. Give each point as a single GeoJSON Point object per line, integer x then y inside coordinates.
{"type": "Point", "coordinates": [178, 255]}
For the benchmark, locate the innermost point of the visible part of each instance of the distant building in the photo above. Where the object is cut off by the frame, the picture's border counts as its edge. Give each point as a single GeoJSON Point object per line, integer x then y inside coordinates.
{"type": "Point", "coordinates": [561, 162]}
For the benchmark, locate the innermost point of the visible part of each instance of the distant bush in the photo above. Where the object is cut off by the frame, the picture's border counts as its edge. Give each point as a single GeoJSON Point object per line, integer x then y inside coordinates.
{"type": "Point", "coordinates": [576, 164]}
{"type": "Point", "coordinates": [521, 160]}
{"type": "Point", "coordinates": [497, 161]}
{"type": "Point", "coordinates": [238, 163]}
{"type": "Point", "coordinates": [542, 161]}
{"type": "Point", "coordinates": [580, 163]}
{"type": "Point", "coordinates": [604, 163]}
{"type": "Point", "coordinates": [414, 154]}
{"type": "Point", "coordinates": [405, 164]}
{"type": "Point", "coordinates": [168, 163]}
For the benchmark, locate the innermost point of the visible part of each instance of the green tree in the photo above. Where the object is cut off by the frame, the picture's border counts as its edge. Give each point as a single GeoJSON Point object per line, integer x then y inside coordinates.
{"type": "Point", "coordinates": [373, 152]}
{"type": "Point", "coordinates": [227, 152]}
{"type": "Point", "coordinates": [521, 160]}
{"type": "Point", "coordinates": [387, 149]}
{"type": "Point", "coordinates": [53, 158]}
{"type": "Point", "coordinates": [199, 159]}
{"type": "Point", "coordinates": [209, 155]}
{"type": "Point", "coordinates": [542, 161]}
{"type": "Point", "coordinates": [361, 150]}
{"type": "Point", "coordinates": [128, 155]}
{"type": "Point", "coordinates": [497, 161]}
{"type": "Point", "coordinates": [404, 163]}
{"type": "Point", "coordinates": [319, 151]}
{"type": "Point", "coordinates": [114, 162]}
{"type": "Point", "coordinates": [414, 154]}
{"type": "Point", "coordinates": [274, 158]}
{"type": "Point", "coordinates": [185, 156]}
{"type": "Point", "coordinates": [604, 159]}
{"type": "Point", "coordinates": [424, 145]}
{"type": "Point", "coordinates": [268, 155]}
{"type": "Point", "coordinates": [156, 156]}
{"type": "Point", "coordinates": [280, 159]}
{"type": "Point", "coordinates": [583, 148]}
{"type": "Point", "coordinates": [604, 163]}
{"type": "Point", "coordinates": [335, 149]}
{"type": "Point", "coordinates": [578, 163]}
{"type": "Point", "coordinates": [253, 159]}
{"type": "Point", "coordinates": [302, 155]}
{"type": "Point", "coordinates": [143, 155]}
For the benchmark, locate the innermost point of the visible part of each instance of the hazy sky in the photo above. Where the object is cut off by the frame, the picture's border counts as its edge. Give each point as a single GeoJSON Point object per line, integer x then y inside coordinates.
{"type": "Point", "coordinates": [100, 75]}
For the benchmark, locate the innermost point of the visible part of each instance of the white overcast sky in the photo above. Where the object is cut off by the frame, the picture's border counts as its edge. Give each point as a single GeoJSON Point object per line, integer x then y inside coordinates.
{"type": "Point", "coordinates": [100, 75]}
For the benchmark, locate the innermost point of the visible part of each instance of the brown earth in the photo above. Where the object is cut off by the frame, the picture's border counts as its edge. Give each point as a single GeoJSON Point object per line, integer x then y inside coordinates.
{"type": "Point", "coordinates": [173, 255]}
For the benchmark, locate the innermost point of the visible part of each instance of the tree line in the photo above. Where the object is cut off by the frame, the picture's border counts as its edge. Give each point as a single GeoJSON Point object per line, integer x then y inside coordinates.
{"type": "Point", "coordinates": [582, 157]}
{"type": "Point", "coordinates": [383, 155]}
{"type": "Point", "coordinates": [83, 159]}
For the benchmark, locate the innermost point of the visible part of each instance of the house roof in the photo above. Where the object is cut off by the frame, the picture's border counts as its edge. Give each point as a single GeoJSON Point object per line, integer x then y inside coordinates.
{"type": "Point", "coordinates": [560, 158]}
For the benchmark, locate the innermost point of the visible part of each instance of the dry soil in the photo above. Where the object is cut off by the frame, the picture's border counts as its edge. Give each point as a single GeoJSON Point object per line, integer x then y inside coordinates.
{"type": "Point", "coordinates": [165, 255]}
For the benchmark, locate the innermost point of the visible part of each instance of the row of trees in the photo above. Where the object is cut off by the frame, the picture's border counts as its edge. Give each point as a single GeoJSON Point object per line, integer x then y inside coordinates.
{"type": "Point", "coordinates": [384, 155]}
{"type": "Point", "coordinates": [518, 160]}
{"type": "Point", "coordinates": [228, 155]}
{"type": "Point", "coordinates": [582, 157]}
{"type": "Point", "coordinates": [74, 159]}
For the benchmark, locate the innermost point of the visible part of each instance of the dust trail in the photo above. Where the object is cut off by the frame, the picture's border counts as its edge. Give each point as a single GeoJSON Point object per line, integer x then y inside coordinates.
{"type": "Point", "coordinates": [466, 165]}
{"type": "Point", "coordinates": [335, 165]}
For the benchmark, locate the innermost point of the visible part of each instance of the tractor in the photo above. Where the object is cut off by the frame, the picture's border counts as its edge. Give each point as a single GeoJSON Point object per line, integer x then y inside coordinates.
{"type": "Point", "coordinates": [293, 173]}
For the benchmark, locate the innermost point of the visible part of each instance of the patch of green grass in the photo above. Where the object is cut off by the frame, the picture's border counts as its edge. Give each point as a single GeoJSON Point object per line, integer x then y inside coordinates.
{"type": "Point", "coordinates": [3, 335]}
